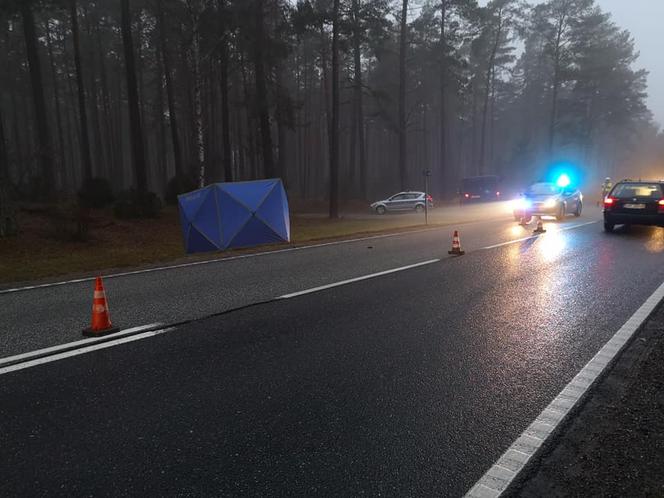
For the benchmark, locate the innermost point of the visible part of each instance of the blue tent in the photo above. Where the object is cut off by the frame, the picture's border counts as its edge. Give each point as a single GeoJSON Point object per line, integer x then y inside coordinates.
{"type": "Point", "coordinates": [239, 214]}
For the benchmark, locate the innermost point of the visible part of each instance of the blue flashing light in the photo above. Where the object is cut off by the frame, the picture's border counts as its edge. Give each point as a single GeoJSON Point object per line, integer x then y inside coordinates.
{"type": "Point", "coordinates": [563, 181]}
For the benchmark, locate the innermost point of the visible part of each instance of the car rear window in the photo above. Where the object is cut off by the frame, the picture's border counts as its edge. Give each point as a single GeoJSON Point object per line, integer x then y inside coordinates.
{"type": "Point", "coordinates": [644, 190]}
{"type": "Point", "coordinates": [479, 183]}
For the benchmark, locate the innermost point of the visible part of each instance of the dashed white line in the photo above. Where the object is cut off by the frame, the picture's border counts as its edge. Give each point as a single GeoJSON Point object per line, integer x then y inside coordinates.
{"type": "Point", "coordinates": [517, 456]}
{"type": "Point", "coordinates": [357, 279]}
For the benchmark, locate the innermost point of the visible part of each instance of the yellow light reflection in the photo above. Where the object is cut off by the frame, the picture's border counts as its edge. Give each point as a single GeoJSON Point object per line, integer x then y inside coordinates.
{"type": "Point", "coordinates": [517, 231]}
{"type": "Point", "coordinates": [551, 245]}
{"type": "Point", "coordinates": [656, 242]}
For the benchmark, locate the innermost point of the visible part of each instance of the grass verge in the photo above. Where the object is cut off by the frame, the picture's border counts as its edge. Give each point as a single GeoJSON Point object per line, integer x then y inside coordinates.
{"type": "Point", "coordinates": [39, 253]}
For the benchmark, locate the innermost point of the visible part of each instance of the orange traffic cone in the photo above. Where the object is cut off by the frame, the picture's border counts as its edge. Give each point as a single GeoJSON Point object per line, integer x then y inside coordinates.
{"type": "Point", "coordinates": [101, 320]}
{"type": "Point", "coordinates": [540, 226]}
{"type": "Point", "coordinates": [456, 245]}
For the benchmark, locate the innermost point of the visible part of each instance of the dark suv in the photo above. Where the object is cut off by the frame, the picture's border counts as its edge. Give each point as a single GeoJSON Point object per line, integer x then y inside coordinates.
{"type": "Point", "coordinates": [480, 188]}
{"type": "Point", "coordinates": [634, 203]}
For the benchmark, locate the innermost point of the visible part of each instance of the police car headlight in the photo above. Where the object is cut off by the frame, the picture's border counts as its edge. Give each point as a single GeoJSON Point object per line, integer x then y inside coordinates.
{"type": "Point", "coordinates": [521, 204]}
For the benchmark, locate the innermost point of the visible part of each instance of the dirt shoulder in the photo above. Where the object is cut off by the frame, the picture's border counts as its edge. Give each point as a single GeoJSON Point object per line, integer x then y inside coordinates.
{"type": "Point", "coordinates": [614, 446]}
{"type": "Point", "coordinates": [41, 252]}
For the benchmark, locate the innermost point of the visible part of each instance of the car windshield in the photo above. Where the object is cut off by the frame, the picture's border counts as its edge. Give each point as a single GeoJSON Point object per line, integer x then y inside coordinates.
{"type": "Point", "coordinates": [630, 190]}
{"type": "Point", "coordinates": [543, 189]}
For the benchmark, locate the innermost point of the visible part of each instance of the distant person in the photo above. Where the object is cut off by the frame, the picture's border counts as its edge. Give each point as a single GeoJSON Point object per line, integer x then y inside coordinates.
{"type": "Point", "coordinates": [606, 188]}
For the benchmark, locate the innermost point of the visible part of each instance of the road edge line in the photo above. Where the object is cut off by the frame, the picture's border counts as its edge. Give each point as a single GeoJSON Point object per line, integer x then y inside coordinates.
{"type": "Point", "coordinates": [80, 351]}
{"type": "Point", "coordinates": [509, 466]}
{"type": "Point", "coordinates": [40, 353]}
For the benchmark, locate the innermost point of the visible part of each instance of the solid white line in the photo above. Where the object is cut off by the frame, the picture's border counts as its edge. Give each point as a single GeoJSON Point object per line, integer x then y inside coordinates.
{"type": "Point", "coordinates": [80, 351]}
{"type": "Point", "coordinates": [532, 237]}
{"type": "Point", "coordinates": [357, 279]}
{"type": "Point", "coordinates": [221, 260]}
{"type": "Point", "coordinates": [75, 344]}
{"type": "Point", "coordinates": [499, 477]}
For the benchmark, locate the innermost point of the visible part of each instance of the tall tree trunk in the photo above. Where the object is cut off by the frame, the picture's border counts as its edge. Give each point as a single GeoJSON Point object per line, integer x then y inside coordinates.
{"type": "Point", "coordinates": [492, 120]}
{"type": "Point", "coordinates": [225, 105]}
{"type": "Point", "coordinates": [198, 109]}
{"type": "Point", "coordinates": [64, 182]}
{"type": "Point", "coordinates": [4, 157]}
{"type": "Point", "coordinates": [39, 102]}
{"type": "Point", "coordinates": [359, 99]}
{"type": "Point", "coordinates": [162, 167]}
{"type": "Point", "coordinates": [487, 91]}
{"type": "Point", "coordinates": [8, 225]}
{"type": "Point", "coordinates": [19, 155]}
{"type": "Point", "coordinates": [136, 129]}
{"type": "Point", "coordinates": [261, 91]}
{"type": "Point", "coordinates": [113, 154]}
{"type": "Point", "coordinates": [403, 44]}
{"type": "Point", "coordinates": [86, 159]}
{"type": "Point", "coordinates": [443, 93]}
{"type": "Point", "coordinates": [93, 100]}
{"type": "Point", "coordinates": [142, 94]}
{"type": "Point", "coordinates": [334, 149]}
{"type": "Point", "coordinates": [170, 93]}
{"type": "Point", "coordinates": [282, 123]}
{"type": "Point", "coordinates": [556, 85]}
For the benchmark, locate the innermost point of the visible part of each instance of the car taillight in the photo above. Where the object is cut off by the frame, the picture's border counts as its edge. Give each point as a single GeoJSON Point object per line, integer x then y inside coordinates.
{"type": "Point", "coordinates": [429, 198]}
{"type": "Point", "coordinates": [466, 195]}
{"type": "Point", "coordinates": [660, 206]}
{"type": "Point", "coordinates": [609, 202]}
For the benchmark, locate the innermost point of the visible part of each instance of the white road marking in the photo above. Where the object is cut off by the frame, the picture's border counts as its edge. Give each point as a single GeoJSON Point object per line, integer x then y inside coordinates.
{"type": "Point", "coordinates": [229, 258]}
{"type": "Point", "coordinates": [499, 477]}
{"type": "Point", "coordinates": [532, 237]}
{"type": "Point", "coordinates": [73, 345]}
{"type": "Point", "coordinates": [357, 279]}
{"type": "Point", "coordinates": [47, 355]}
{"type": "Point", "coordinates": [80, 351]}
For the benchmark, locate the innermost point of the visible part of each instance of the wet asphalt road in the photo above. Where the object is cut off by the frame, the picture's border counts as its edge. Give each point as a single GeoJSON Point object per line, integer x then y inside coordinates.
{"type": "Point", "coordinates": [46, 317]}
{"type": "Point", "coordinates": [411, 384]}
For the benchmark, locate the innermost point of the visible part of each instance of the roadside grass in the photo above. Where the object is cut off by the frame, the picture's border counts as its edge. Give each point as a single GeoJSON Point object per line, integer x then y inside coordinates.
{"type": "Point", "coordinates": [38, 252]}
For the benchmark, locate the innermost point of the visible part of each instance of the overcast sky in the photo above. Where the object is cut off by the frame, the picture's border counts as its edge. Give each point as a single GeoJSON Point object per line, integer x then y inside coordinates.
{"type": "Point", "coordinates": [644, 19]}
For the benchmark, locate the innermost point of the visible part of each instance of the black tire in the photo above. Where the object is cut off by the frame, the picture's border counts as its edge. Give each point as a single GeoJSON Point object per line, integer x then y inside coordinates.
{"type": "Point", "coordinates": [381, 210]}
{"type": "Point", "coordinates": [579, 209]}
{"type": "Point", "coordinates": [560, 216]}
{"type": "Point", "coordinates": [608, 227]}
{"type": "Point", "coordinates": [419, 208]}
